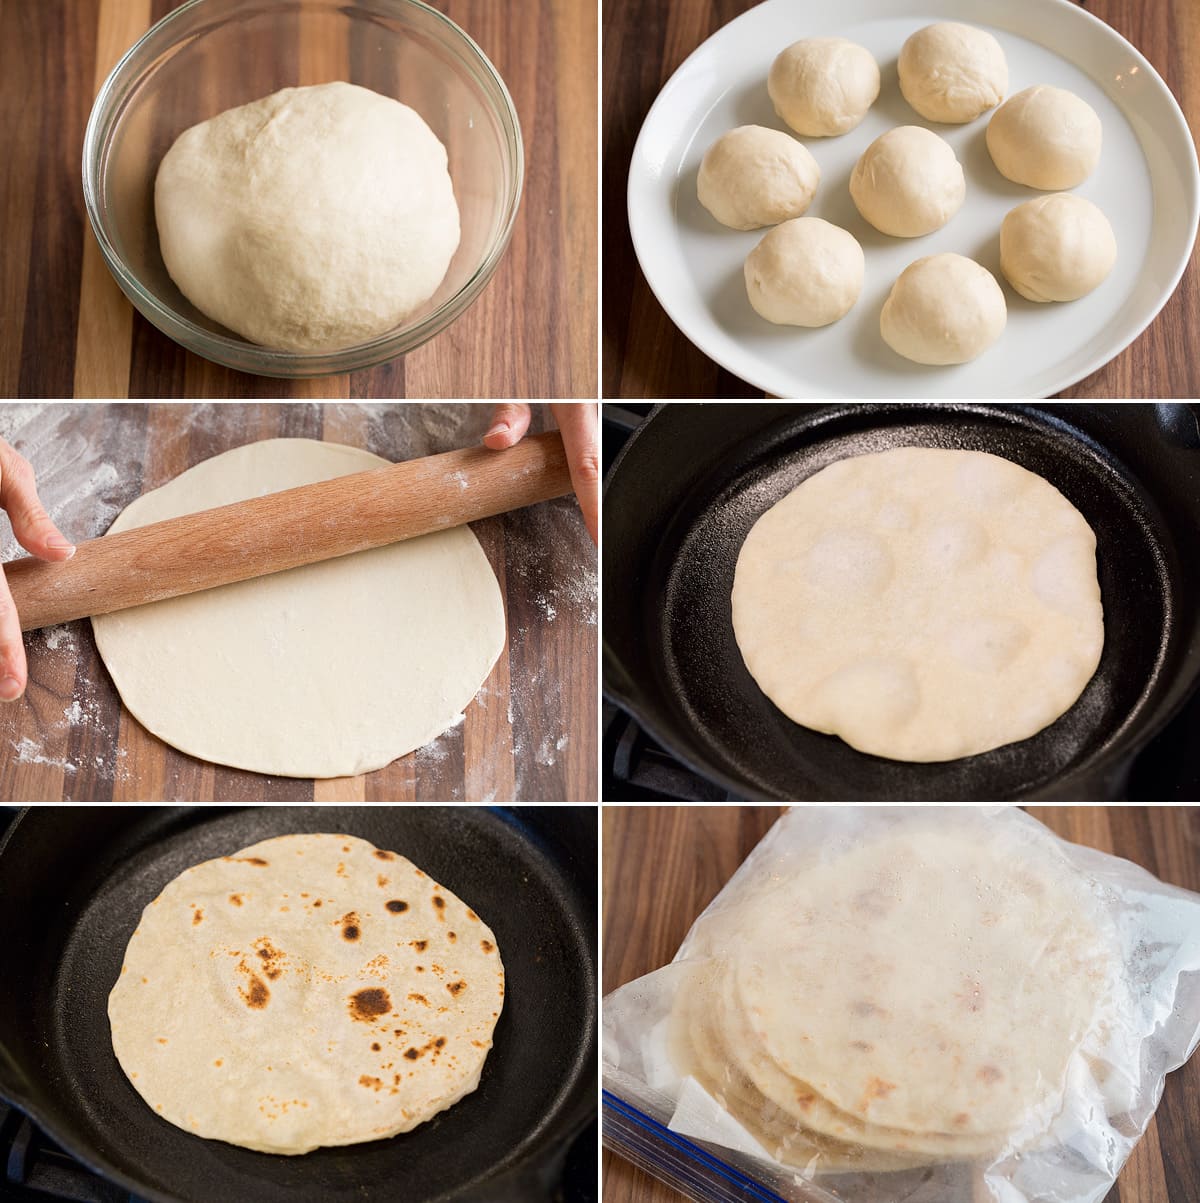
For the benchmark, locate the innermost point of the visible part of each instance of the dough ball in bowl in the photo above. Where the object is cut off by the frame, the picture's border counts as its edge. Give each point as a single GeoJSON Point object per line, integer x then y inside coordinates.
{"type": "Point", "coordinates": [1045, 138]}
{"type": "Point", "coordinates": [908, 182]}
{"type": "Point", "coordinates": [823, 86]}
{"type": "Point", "coordinates": [313, 219]}
{"type": "Point", "coordinates": [952, 73]}
{"type": "Point", "coordinates": [943, 309]}
{"type": "Point", "coordinates": [1056, 248]}
{"type": "Point", "coordinates": [754, 176]}
{"type": "Point", "coordinates": [805, 272]}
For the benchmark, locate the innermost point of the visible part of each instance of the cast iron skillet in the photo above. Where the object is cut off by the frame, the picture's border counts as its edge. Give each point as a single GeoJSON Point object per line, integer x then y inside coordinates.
{"type": "Point", "coordinates": [73, 882]}
{"type": "Point", "coordinates": [693, 479]}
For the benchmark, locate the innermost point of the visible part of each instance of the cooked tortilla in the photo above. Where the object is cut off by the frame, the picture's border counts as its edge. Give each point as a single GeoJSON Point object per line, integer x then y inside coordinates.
{"type": "Point", "coordinates": [923, 995]}
{"type": "Point", "coordinates": [309, 990]}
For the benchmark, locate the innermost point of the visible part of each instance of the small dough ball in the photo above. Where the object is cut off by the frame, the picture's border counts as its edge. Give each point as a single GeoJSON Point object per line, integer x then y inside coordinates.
{"type": "Point", "coordinates": [754, 176]}
{"type": "Point", "coordinates": [1056, 248]}
{"type": "Point", "coordinates": [823, 86]}
{"type": "Point", "coordinates": [943, 309]}
{"type": "Point", "coordinates": [1045, 138]}
{"type": "Point", "coordinates": [805, 272]}
{"type": "Point", "coordinates": [908, 182]}
{"type": "Point", "coordinates": [952, 73]}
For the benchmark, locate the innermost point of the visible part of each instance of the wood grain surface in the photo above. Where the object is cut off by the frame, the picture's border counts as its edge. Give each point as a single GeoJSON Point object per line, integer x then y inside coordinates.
{"type": "Point", "coordinates": [663, 865]}
{"type": "Point", "coordinates": [67, 330]}
{"type": "Point", "coordinates": [645, 355]}
{"type": "Point", "coordinates": [530, 735]}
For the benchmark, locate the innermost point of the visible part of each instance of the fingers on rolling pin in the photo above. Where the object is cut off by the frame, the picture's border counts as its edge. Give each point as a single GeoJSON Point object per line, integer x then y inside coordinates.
{"type": "Point", "coordinates": [12, 649]}
{"type": "Point", "coordinates": [578, 427]}
{"type": "Point", "coordinates": [37, 534]}
{"type": "Point", "coordinates": [509, 424]}
{"type": "Point", "coordinates": [30, 522]}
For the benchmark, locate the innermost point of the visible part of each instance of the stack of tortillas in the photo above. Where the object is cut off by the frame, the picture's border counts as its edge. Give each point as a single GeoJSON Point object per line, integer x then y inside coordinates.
{"type": "Point", "coordinates": [916, 1000]}
{"type": "Point", "coordinates": [309, 990]}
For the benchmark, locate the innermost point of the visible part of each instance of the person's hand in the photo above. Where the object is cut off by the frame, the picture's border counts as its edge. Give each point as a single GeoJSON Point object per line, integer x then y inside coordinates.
{"type": "Point", "coordinates": [39, 536]}
{"type": "Point", "coordinates": [577, 425]}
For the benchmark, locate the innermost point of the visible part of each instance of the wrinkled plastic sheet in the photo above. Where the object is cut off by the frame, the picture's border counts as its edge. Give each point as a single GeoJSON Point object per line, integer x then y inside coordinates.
{"type": "Point", "coordinates": [675, 1127]}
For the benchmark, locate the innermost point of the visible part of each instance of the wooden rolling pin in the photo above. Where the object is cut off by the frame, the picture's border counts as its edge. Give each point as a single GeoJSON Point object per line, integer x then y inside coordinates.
{"type": "Point", "coordinates": [284, 530]}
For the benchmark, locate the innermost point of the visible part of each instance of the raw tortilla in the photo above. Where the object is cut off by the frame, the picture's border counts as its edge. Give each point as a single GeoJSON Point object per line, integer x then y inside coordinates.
{"type": "Point", "coordinates": [923, 604]}
{"type": "Point", "coordinates": [327, 670]}
{"type": "Point", "coordinates": [308, 990]}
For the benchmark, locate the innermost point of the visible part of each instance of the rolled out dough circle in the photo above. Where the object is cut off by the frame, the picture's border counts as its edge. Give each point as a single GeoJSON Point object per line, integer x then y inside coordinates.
{"type": "Point", "coordinates": [921, 603]}
{"type": "Point", "coordinates": [327, 670]}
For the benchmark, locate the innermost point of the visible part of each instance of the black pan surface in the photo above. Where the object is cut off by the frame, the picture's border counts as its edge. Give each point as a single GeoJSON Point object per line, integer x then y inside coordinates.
{"type": "Point", "coordinates": [73, 882]}
{"type": "Point", "coordinates": [694, 479]}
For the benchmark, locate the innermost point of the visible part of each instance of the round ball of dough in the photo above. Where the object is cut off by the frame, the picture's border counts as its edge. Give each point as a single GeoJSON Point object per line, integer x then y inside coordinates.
{"type": "Point", "coordinates": [805, 272]}
{"type": "Point", "coordinates": [1045, 138]}
{"type": "Point", "coordinates": [312, 219]}
{"type": "Point", "coordinates": [1056, 248]}
{"type": "Point", "coordinates": [823, 86]}
{"type": "Point", "coordinates": [943, 309]}
{"type": "Point", "coordinates": [951, 72]}
{"type": "Point", "coordinates": [754, 176]}
{"type": "Point", "coordinates": [908, 182]}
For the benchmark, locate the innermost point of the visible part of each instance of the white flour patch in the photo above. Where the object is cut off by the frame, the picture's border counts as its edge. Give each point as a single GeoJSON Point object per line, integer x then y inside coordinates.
{"type": "Point", "coordinates": [29, 752]}
{"type": "Point", "coordinates": [59, 637]}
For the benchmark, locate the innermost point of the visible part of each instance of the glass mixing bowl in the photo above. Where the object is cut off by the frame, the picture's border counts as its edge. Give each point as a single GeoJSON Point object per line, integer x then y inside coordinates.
{"type": "Point", "coordinates": [211, 55]}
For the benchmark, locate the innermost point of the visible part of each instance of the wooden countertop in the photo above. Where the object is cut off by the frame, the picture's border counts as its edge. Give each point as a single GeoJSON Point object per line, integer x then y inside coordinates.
{"type": "Point", "coordinates": [645, 355]}
{"type": "Point", "coordinates": [529, 736]}
{"type": "Point", "coordinates": [67, 330]}
{"type": "Point", "coordinates": [663, 865]}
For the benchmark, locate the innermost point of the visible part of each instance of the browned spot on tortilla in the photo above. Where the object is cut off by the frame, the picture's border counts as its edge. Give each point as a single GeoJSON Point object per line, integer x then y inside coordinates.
{"type": "Point", "coordinates": [471, 915]}
{"type": "Point", "coordinates": [487, 945]}
{"type": "Point", "coordinates": [350, 928]}
{"type": "Point", "coordinates": [218, 1063]}
{"type": "Point", "coordinates": [961, 1120]}
{"type": "Point", "coordinates": [411, 1053]}
{"type": "Point", "coordinates": [805, 1100]}
{"type": "Point", "coordinates": [375, 1047]}
{"type": "Point", "coordinates": [440, 1042]}
{"type": "Point", "coordinates": [396, 906]}
{"type": "Point", "coordinates": [418, 873]}
{"type": "Point", "coordinates": [381, 855]}
{"type": "Point", "coordinates": [369, 1004]}
{"type": "Point", "coordinates": [341, 869]}
{"type": "Point", "coordinates": [420, 968]}
{"type": "Point", "coordinates": [398, 1034]}
{"type": "Point", "coordinates": [862, 1046]}
{"type": "Point", "coordinates": [456, 988]}
{"type": "Point", "coordinates": [419, 945]}
{"type": "Point", "coordinates": [236, 899]}
{"type": "Point", "coordinates": [439, 902]}
{"type": "Point", "coordinates": [345, 847]}
{"type": "Point", "coordinates": [989, 1074]}
{"type": "Point", "coordinates": [316, 902]}
{"type": "Point", "coordinates": [198, 917]}
{"type": "Point", "coordinates": [257, 996]}
{"type": "Point", "coordinates": [451, 936]}
{"type": "Point", "coordinates": [370, 1083]}
{"type": "Point", "coordinates": [876, 1088]}
{"type": "Point", "coordinates": [381, 882]}
{"type": "Point", "coordinates": [251, 860]}
{"type": "Point", "coordinates": [419, 998]}
{"type": "Point", "coordinates": [272, 959]}
{"type": "Point", "coordinates": [162, 1040]}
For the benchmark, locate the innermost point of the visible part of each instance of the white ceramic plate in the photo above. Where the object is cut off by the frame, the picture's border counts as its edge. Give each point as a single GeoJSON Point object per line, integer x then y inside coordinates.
{"type": "Point", "coordinates": [1147, 183]}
